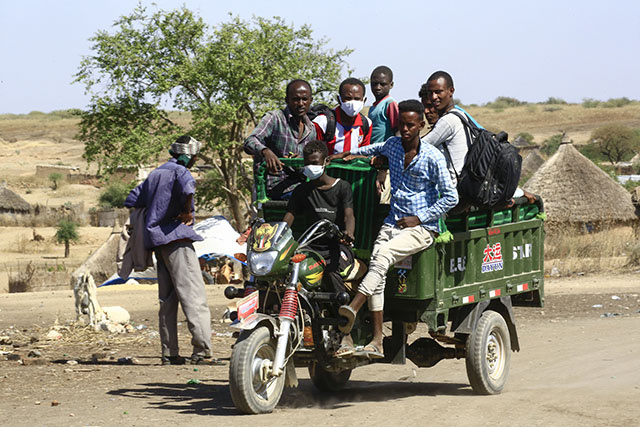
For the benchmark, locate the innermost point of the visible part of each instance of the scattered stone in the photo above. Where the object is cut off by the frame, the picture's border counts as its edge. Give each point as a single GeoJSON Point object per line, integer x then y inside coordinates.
{"type": "Point", "coordinates": [33, 362]}
{"type": "Point", "coordinates": [33, 339]}
{"type": "Point", "coordinates": [54, 335]}
{"type": "Point", "coordinates": [34, 353]}
{"type": "Point", "coordinates": [127, 361]}
{"type": "Point", "coordinates": [5, 340]}
{"type": "Point", "coordinates": [55, 403]}
{"type": "Point", "coordinates": [97, 356]}
{"type": "Point", "coordinates": [610, 315]}
{"type": "Point", "coordinates": [13, 357]}
{"type": "Point", "coordinates": [114, 328]}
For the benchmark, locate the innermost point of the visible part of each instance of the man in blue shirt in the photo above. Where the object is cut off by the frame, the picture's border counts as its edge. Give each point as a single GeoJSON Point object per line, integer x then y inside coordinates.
{"type": "Point", "coordinates": [421, 193]}
{"type": "Point", "coordinates": [167, 195]}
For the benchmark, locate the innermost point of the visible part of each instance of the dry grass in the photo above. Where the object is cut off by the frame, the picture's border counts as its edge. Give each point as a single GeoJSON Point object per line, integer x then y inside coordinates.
{"type": "Point", "coordinates": [542, 123]}
{"type": "Point", "coordinates": [607, 250]}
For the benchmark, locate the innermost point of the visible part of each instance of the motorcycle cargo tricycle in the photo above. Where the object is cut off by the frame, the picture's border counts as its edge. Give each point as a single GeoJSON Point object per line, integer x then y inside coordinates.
{"type": "Point", "coordinates": [463, 289]}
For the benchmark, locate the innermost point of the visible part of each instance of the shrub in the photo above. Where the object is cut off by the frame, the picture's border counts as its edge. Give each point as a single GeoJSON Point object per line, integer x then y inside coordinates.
{"type": "Point", "coordinates": [550, 145]}
{"type": "Point", "coordinates": [551, 109]}
{"type": "Point", "coordinates": [55, 178]}
{"type": "Point", "coordinates": [114, 195]}
{"type": "Point", "coordinates": [554, 101]}
{"type": "Point", "coordinates": [616, 102]}
{"type": "Point", "coordinates": [502, 102]}
{"type": "Point", "coordinates": [590, 103]}
{"type": "Point", "coordinates": [527, 136]}
{"type": "Point", "coordinates": [592, 152]}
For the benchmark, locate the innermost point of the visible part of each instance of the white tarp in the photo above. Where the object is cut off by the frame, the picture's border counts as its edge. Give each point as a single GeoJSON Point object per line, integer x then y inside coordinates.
{"type": "Point", "coordinates": [219, 238]}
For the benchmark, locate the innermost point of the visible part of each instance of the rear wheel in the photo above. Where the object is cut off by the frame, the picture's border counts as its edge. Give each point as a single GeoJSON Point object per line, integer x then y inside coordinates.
{"type": "Point", "coordinates": [251, 390]}
{"type": "Point", "coordinates": [328, 381]}
{"type": "Point", "coordinates": [489, 354]}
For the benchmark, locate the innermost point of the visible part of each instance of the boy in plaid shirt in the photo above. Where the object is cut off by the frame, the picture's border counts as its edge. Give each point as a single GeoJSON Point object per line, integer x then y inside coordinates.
{"type": "Point", "coordinates": [421, 193]}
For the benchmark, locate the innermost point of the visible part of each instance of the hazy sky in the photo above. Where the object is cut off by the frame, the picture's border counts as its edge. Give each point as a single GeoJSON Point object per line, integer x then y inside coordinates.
{"type": "Point", "coordinates": [529, 50]}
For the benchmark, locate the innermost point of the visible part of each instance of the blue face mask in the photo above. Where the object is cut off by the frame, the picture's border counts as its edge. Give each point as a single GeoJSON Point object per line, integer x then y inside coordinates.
{"type": "Point", "coordinates": [313, 171]}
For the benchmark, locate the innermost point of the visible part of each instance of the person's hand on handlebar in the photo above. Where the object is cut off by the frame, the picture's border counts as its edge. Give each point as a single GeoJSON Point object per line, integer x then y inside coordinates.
{"type": "Point", "coordinates": [274, 165]}
{"type": "Point", "coordinates": [347, 238]}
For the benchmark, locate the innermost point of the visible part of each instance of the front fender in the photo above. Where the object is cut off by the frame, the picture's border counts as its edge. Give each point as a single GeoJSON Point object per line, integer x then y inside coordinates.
{"type": "Point", "coordinates": [259, 319]}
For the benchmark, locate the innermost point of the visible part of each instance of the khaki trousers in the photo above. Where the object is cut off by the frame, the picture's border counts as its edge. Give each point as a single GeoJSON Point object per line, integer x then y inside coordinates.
{"type": "Point", "coordinates": [392, 245]}
{"type": "Point", "coordinates": [180, 281]}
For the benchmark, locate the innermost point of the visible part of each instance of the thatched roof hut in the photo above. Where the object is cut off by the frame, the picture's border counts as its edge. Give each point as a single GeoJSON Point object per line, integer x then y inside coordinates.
{"type": "Point", "coordinates": [577, 192]}
{"type": "Point", "coordinates": [531, 163]}
{"type": "Point", "coordinates": [10, 202]}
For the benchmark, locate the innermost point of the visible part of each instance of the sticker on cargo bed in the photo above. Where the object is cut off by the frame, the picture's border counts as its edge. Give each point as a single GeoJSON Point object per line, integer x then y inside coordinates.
{"type": "Point", "coordinates": [492, 260]}
{"type": "Point", "coordinates": [457, 264]}
{"type": "Point", "coordinates": [522, 251]}
{"type": "Point", "coordinates": [405, 264]}
{"type": "Point", "coordinates": [402, 281]}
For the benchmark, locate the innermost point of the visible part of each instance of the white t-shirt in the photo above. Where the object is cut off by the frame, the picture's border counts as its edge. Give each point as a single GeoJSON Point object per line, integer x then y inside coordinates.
{"type": "Point", "coordinates": [450, 130]}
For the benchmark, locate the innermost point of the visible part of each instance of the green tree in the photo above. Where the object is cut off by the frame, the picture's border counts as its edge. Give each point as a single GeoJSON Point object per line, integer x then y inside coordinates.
{"type": "Point", "coordinates": [114, 195]}
{"type": "Point", "coordinates": [227, 77]}
{"type": "Point", "coordinates": [55, 178]}
{"type": "Point", "coordinates": [616, 142]}
{"type": "Point", "coordinates": [551, 144]}
{"type": "Point", "coordinates": [66, 233]}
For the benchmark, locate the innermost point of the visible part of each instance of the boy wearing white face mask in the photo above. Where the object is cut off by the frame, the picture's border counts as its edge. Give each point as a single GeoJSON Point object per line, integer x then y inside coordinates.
{"type": "Point", "coordinates": [353, 129]}
{"type": "Point", "coordinates": [325, 197]}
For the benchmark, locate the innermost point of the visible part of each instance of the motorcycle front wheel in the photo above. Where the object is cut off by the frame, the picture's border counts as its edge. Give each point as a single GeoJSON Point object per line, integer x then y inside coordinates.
{"type": "Point", "coordinates": [251, 391]}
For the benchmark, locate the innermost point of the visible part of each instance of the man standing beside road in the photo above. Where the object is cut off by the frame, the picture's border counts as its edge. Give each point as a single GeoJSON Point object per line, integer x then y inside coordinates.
{"type": "Point", "coordinates": [421, 193]}
{"type": "Point", "coordinates": [167, 196]}
{"type": "Point", "coordinates": [283, 133]}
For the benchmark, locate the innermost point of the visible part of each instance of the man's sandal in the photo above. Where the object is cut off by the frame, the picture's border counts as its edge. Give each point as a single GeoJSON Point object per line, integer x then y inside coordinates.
{"type": "Point", "coordinates": [370, 351]}
{"type": "Point", "coordinates": [348, 313]}
{"type": "Point", "coordinates": [345, 351]}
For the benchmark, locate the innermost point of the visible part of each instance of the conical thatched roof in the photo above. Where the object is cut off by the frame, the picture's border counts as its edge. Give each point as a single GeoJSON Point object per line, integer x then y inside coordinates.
{"type": "Point", "coordinates": [520, 142]}
{"type": "Point", "coordinates": [531, 163]}
{"type": "Point", "coordinates": [11, 202]}
{"type": "Point", "coordinates": [577, 191]}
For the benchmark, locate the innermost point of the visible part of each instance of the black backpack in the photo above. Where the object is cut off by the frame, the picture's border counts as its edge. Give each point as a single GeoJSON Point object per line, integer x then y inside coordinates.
{"type": "Point", "coordinates": [491, 168]}
{"type": "Point", "coordinates": [323, 110]}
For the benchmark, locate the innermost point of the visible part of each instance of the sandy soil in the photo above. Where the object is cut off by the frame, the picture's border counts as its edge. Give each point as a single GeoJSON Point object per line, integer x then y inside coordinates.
{"type": "Point", "coordinates": [575, 368]}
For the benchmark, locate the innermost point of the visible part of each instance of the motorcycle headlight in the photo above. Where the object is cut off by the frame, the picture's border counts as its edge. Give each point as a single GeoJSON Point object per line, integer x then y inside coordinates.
{"type": "Point", "coordinates": [261, 263]}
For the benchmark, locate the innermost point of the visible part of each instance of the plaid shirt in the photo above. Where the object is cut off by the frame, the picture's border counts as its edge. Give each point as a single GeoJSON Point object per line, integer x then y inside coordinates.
{"type": "Point", "coordinates": [423, 189]}
{"type": "Point", "coordinates": [278, 131]}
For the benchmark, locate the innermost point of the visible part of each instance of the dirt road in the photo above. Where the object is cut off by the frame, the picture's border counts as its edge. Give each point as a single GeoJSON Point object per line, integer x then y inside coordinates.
{"type": "Point", "coordinates": [575, 368]}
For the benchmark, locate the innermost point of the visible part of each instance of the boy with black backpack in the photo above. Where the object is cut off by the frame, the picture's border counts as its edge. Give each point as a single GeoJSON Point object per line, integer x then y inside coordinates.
{"type": "Point", "coordinates": [484, 166]}
{"type": "Point", "coordinates": [344, 128]}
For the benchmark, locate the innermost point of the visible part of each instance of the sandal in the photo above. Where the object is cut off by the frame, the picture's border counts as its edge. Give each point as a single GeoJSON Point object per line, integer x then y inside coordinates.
{"type": "Point", "coordinates": [350, 314]}
{"type": "Point", "coordinates": [345, 350]}
{"type": "Point", "coordinates": [370, 351]}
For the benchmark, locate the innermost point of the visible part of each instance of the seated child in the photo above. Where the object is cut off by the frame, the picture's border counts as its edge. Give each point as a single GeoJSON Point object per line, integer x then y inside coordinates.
{"type": "Point", "coordinates": [325, 197]}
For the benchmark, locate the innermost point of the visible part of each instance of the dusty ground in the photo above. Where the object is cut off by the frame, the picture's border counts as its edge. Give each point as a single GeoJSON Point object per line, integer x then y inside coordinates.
{"type": "Point", "coordinates": [575, 368]}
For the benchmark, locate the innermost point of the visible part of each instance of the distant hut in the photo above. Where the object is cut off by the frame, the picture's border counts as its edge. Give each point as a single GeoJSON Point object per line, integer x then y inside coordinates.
{"type": "Point", "coordinates": [524, 147]}
{"type": "Point", "coordinates": [12, 203]}
{"type": "Point", "coordinates": [531, 163]}
{"type": "Point", "coordinates": [577, 193]}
